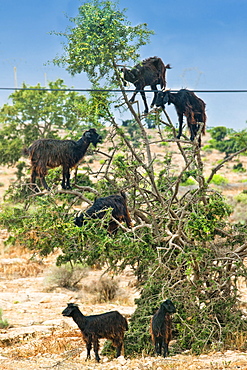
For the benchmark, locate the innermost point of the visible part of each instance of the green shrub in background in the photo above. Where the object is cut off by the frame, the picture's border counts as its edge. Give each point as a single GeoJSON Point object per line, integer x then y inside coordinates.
{"type": "Point", "coordinates": [3, 322]}
{"type": "Point", "coordinates": [242, 197]}
{"type": "Point", "coordinates": [219, 180]}
{"type": "Point", "coordinates": [239, 167]}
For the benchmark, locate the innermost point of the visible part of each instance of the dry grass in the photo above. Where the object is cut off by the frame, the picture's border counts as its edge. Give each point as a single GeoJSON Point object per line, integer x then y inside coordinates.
{"type": "Point", "coordinates": [21, 269]}
{"type": "Point", "coordinates": [106, 289]}
{"type": "Point", "coordinates": [55, 343]}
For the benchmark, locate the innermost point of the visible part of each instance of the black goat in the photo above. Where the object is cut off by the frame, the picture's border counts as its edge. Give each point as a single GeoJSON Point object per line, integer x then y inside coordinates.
{"type": "Point", "coordinates": [120, 212]}
{"type": "Point", "coordinates": [51, 153]}
{"type": "Point", "coordinates": [150, 72]}
{"type": "Point", "coordinates": [188, 104]}
{"type": "Point", "coordinates": [160, 327]}
{"type": "Point", "coordinates": [109, 325]}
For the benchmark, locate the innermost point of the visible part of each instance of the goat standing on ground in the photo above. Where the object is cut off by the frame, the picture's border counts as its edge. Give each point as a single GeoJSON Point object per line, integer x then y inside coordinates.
{"type": "Point", "coordinates": [151, 72]}
{"type": "Point", "coordinates": [51, 153]}
{"type": "Point", "coordinates": [120, 212]}
{"type": "Point", "coordinates": [109, 325]}
{"type": "Point", "coordinates": [188, 104]}
{"type": "Point", "coordinates": [161, 331]}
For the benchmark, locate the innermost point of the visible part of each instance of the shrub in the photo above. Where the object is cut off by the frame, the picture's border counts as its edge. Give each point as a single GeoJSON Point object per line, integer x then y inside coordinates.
{"type": "Point", "coordinates": [65, 276]}
{"type": "Point", "coordinates": [239, 167]}
{"type": "Point", "coordinates": [219, 180]}
{"type": "Point", "coordinates": [241, 198]}
{"type": "Point", "coordinates": [3, 322]}
{"type": "Point", "coordinates": [189, 181]}
{"type": "Point", "coordinates": [106, 288]}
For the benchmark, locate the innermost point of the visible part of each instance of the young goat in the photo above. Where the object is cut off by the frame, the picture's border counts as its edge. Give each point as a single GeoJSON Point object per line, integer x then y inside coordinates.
{"type": "Point", "coordinates": [160, 327]}
{"type": "Point", "coordinates": [151, 71]}
{"type": "Point", "coordinates": [188, 104]}
{"type": "Point", "coordinates": [120, 212]}
{"type": "Point", "coordinates": [109, 325]}
{"type": "Point", "coordinates": [51, 153]}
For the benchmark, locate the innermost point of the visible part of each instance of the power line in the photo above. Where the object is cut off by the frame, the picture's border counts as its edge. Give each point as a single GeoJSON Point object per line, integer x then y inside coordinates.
{"type": "Point", "coordinates": [114, 90]}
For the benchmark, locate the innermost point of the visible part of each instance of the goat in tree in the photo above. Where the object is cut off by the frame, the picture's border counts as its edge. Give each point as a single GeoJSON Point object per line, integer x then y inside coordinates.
{"type": "Point", "coordinates": [118, 204]}
{"type": "Point", "coordinates": [150, 72]}
{"type": "Point", "coordinates": [160, 328]}
{"type": "Point", "coordinates": [109, 325]}
{"type": "Point", "coordinates": [186, 103]}
{"type": "Point", "coordinates": [51, 153]}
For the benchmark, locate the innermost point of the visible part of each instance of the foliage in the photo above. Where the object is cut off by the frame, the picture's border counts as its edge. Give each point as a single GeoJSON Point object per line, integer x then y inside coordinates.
{"type": "Point", "coordinates": [218, 133]}
{"type": "Point", "coordinates": [241, 197]}
{"type": "Point", "coordinates": [102, 35]}
{"type": "Point", "coordinates": [106, 288]}
{"type": "Point", "coordinates": [66, 276]}
{"type": "Point", "coordinates": [202, 323]}
{"type": "Point", "coordinates": [3, 322]}
{"type": "Point", "coordinates": [38, 113]}
{"type": "Point", "coordinates": [219, 180]}
{"type": "Point", "coordinates": [239, 167]}
{"type": "Point", "coordinates": [228, 141]}
{"type": "Point", "coordinates": [181, 247]}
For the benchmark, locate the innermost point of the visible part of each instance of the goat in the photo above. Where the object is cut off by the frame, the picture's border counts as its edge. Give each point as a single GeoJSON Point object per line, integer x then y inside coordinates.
{"type": "Point", "coordinates": [160, 327]}
{"type": "Point", "coordinates": [52, 153]}
{"type": "Point", "coordinates": [188, 104]}
{"type": "Point", "coordinates": [109, 325]}
{"type": "Point", "coordinates": [150, 72]}
{"type": "Point", "coordinates": [120, 212]}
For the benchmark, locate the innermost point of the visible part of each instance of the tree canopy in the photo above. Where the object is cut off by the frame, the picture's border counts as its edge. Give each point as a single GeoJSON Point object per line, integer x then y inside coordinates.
{"type": "Point", "coordinates": [102, 38]}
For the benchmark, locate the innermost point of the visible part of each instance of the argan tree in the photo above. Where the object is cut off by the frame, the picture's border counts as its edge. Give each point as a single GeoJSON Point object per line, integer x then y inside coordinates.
{"type": "Point", "coordinates": [182, 245]}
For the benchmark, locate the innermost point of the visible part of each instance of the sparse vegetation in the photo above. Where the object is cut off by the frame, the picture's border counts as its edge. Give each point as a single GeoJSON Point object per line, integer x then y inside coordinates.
{"type": "Point", "coordinates": [3, 322]}
{"type": "Point", "coordinates": [106, 288]}
{"type": "Point", "coordinates": [66, 276]}
{"type": "Point", "coordinates": [181, 247]}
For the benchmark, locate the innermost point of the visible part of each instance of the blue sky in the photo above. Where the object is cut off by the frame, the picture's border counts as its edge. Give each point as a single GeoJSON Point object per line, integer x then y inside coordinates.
{"type": "Point", "coordinates": [204, 41]}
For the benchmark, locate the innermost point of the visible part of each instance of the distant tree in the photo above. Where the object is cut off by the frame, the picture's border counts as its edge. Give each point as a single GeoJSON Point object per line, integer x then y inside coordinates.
{"type": "Point", "coordinates": [228, 141]}
{"type": "Point", "coordinates": [218, 133]}
{"type": "Point", "coordinates": [35, 113]}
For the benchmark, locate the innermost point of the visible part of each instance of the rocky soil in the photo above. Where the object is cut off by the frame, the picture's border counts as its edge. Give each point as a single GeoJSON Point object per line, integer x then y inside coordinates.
{"type": "Point", "coordinates": [39, 337]}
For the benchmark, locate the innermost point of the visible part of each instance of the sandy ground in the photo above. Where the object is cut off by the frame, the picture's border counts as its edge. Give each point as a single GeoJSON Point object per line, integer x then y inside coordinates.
{"type": "Point", "coordinates": [39, 337]}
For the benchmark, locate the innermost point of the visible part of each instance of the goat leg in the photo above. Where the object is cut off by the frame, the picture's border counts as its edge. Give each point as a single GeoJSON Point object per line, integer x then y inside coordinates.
{"type": "Point", "coordinates": [180, 129]}
{"type": "Point", "coordinates": [44, 183]}
{"type": "Point", "coordinates": [166, 351]}
{"type": "Point", "coordinates": [89, 346]}
{"type": "Point", "coordinates": [154, 88]}
{"type": "Point", "coordinates": [96, 349]}
{"type": "Point", "coordinates": [66, 179]}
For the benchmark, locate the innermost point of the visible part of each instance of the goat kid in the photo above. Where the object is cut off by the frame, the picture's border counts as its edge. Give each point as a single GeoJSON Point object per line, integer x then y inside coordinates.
{"type": "Point", "coordinates": [51, 153]}
{"type": "Point", "coordinates": [160, 328]}
{"type": "Point", "coordinates": [150, 72]}
{"type": "Point", "coordinates": [186, 103]}
{"type": "Point", "coordinates": [109, 325]}
{"type": "Point", "coordinates": [118, 204]}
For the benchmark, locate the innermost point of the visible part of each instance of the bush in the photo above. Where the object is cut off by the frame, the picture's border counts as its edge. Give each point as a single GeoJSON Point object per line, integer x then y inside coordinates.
{"type": "Point", "coordinates": [189, 181]}
{"type": "Point", "coordinates": [241, 198]}
{"type": "Point", "coordinates": [65, 276]}
{"type": "Point", "coordinates": [219, 180]}
{"type": "Point", "coordinates": [3, 322]}
{"type": "Point", "coordinates": [106, 288]}
{"type": "Point", "coordinates": [239, 167]}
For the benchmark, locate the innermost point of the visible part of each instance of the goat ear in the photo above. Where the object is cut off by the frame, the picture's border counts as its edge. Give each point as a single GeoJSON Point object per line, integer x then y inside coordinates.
{"type": "Point", "coordinates": [88, 133]}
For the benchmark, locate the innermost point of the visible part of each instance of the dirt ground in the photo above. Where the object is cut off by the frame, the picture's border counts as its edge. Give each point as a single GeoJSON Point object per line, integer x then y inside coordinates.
{"type": "Point", "coordinates": [39, 337]}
